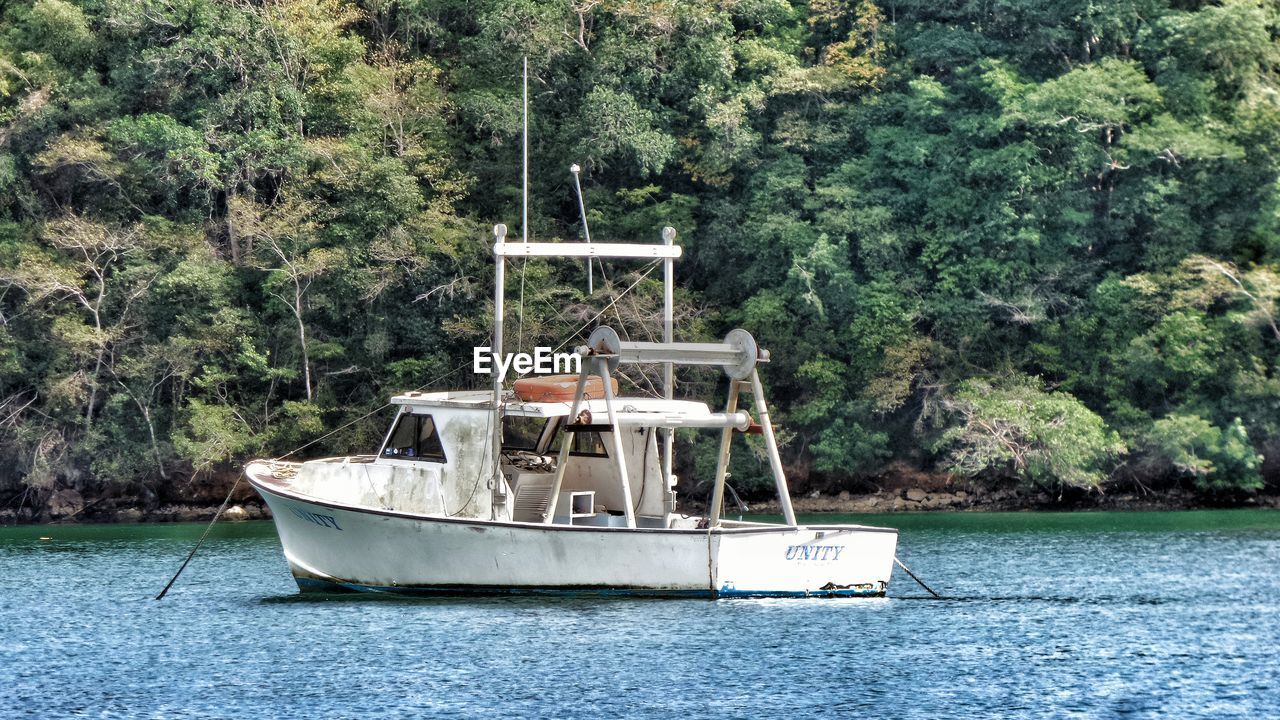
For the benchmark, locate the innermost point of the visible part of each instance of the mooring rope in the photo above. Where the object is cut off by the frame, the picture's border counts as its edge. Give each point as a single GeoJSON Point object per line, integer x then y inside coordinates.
{"type": "Point", "coordinates": [913, 577]}
{"type": "Point", "coordinates": [200, 542]}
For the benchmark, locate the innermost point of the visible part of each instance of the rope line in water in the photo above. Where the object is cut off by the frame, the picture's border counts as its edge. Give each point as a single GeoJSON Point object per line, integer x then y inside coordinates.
{"type": "Point", "coordinates": [913, 577]}
{"type": "Point", "coordinates": [200, 542]}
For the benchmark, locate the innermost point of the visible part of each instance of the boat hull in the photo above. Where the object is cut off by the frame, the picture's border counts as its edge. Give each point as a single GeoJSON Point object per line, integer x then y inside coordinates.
{"type": "Point", "coordinates": [331, 547]}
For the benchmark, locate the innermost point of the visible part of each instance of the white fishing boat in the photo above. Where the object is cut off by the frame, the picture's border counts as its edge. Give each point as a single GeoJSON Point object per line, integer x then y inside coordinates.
{"type": "Point", "coordinates": [560, 485]}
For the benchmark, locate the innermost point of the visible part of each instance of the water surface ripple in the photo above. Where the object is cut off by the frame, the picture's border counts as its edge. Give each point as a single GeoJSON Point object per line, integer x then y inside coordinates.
{"type": "Point", "coordinates": [1141, 615]}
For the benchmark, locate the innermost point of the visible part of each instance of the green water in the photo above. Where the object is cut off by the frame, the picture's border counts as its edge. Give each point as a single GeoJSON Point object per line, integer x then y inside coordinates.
{"type": "Point", "coordinates": [1044, 615]}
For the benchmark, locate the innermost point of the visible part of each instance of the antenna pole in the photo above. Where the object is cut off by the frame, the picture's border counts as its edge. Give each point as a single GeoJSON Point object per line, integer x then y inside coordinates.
{"type": "Point", "coordinates": [524, 192]}
{"type": "Point", "coordinates": [582, 208]}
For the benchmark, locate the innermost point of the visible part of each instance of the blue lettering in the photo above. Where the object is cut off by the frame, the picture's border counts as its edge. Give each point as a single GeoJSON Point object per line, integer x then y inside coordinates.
{"type": "Point", "coordinates": [327, 521]}
{"type": "Point", "coordinates": [814, 552]}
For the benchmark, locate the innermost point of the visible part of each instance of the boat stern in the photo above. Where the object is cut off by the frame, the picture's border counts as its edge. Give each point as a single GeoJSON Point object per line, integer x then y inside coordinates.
{"type": "Point", "coordinates": [826, 561]}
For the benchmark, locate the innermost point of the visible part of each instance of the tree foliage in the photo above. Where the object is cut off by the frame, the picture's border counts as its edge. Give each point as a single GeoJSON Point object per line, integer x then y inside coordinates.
{"type": "Point", "coordinates": [997, 239]}
{"type": "Point", "coordinates": [1016, 427]}
{"type": "Point", "coordinates": [1215, 458]}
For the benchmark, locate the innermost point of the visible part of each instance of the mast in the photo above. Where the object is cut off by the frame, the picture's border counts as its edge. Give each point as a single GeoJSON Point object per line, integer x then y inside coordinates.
{"type": "Point", "coordinates": [524, 193]}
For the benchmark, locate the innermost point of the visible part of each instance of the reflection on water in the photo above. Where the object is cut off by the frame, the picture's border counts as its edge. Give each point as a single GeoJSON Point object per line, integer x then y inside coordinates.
{"type": "Point", "coordinates": [1042, 615]}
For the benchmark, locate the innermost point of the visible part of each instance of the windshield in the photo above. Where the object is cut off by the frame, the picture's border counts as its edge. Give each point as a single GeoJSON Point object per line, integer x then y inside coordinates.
{"type": "Point", "coordinates": [415, 438]}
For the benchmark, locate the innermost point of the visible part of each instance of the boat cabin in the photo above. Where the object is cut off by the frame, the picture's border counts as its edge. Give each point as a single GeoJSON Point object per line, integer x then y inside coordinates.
{"type": "Point", "coordinates": [443, 436]}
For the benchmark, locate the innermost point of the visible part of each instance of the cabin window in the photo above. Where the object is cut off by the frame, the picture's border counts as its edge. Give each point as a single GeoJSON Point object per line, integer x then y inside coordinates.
{"type": "Point", "coordinates": [415, 438]}
{"type": "Point", "coordinates": [522, 433]}
{"type": "Point", "coordinates": [589, 444]}
{"type": "Point", "coordinates": [586, 444]}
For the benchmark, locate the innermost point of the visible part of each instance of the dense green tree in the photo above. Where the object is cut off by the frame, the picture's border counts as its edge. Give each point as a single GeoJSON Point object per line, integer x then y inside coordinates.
{"type": "Point", "coordinates": [1216, 458]}
{"type": "Point", "coordinates": [1016, 427]}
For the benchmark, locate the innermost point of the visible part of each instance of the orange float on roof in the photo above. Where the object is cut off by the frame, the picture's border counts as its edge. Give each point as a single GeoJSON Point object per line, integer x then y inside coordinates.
{"type": "Point", "coordinates": [560, 388]}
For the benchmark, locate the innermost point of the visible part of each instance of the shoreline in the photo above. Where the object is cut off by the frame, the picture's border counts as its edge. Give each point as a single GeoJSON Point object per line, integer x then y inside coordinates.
{"type": "Point", "coordinates": [916, 500]}
{"type": "Point", "coordinates": [881, 502]}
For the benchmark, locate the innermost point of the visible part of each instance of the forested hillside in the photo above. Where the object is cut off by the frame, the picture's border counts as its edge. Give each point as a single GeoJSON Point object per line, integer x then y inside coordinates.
{"type": "Point", "coordinates": [1031, 239]}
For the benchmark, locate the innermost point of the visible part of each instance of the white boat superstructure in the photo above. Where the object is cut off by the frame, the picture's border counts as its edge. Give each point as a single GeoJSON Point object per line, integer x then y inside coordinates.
{"type": "Point", "coordinates": [562, 485]}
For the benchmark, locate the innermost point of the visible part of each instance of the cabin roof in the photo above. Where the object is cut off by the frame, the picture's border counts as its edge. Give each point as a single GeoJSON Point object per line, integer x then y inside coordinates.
{"type": "Point", "coordinates": [483, 400]}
